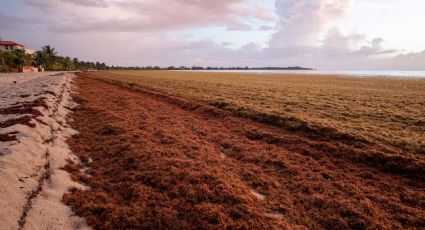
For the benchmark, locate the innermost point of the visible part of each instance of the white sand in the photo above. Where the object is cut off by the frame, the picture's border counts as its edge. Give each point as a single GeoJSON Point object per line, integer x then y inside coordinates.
{"type": "Point", "coordinates": [24, 162]}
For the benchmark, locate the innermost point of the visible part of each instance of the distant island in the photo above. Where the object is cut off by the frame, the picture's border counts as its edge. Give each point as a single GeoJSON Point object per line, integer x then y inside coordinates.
{"type": "Point", "coordinates": [207, 68]}
{"type": "Point", "coordinates": [251, 68]}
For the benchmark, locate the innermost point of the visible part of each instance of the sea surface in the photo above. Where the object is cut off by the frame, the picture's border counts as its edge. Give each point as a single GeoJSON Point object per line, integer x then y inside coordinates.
{"type": "Point", "coordinates": [356, 73]}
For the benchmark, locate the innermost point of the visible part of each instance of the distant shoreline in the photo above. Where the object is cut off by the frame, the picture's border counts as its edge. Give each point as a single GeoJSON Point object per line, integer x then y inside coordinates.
{"type": "Point", "coordinates": [246, 68]}
{"type": "Point", "coordinates": [342, 73]}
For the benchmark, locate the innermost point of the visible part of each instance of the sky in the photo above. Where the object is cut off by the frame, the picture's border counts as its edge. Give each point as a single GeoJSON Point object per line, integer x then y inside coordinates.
{"type": "Point", "coordinates": [321, 34]}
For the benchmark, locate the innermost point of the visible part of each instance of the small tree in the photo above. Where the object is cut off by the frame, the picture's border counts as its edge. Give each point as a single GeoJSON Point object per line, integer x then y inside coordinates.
{"type": "Point", "coordinates": [40, 59]}
{"type": "Point", "coordinates": [76, 63]}
{"type": "Point", "coordinates": [50, 56]}
{"type": "Point", "coordinates": [14, 60]}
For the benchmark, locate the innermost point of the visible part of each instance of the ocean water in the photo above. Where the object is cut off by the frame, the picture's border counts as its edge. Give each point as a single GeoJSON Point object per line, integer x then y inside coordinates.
{"type": "Point", "coordinates": [356, 73]}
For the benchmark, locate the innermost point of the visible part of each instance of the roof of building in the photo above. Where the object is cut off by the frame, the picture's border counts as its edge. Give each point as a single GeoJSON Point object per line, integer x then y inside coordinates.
{"type": "Point", "coordinates": [9, 43]}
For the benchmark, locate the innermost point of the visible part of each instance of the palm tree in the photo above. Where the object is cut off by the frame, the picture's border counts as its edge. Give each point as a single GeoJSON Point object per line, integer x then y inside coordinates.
{"type": "Point", "coordinates": [76, 63]}
{"type": "Point", "coordinates": [40, 58]}
{"type": "Point", "coordinates": [50, 55]}
{"type": "Point", "coordinates": [49, 51]}
{"type": "Point", "coordinates": [67, 63]}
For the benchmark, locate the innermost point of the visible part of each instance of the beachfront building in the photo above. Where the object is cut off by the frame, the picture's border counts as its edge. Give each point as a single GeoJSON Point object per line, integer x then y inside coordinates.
{"type": "Point", "coordinates": [6, 46]}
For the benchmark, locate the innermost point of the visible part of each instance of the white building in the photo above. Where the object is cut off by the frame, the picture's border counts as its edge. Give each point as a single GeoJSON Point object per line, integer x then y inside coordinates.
{"type": "Point", "coordinates": [6, 46]}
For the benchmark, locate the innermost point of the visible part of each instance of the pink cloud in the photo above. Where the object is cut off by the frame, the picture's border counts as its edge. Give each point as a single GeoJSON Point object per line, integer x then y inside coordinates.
{"type": "Point", "coordinates": [145, 15]}
{"type": "Point", "coordinates": [147, 33]}
{"type": "Point", "coordinates": [300, 21]}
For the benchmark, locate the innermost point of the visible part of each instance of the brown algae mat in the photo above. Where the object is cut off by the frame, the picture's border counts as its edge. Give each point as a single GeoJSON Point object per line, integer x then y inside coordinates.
{"type": "Point", "coordinates": [389, 110]}
{"type": "Point", "coordinates": [158, 162]}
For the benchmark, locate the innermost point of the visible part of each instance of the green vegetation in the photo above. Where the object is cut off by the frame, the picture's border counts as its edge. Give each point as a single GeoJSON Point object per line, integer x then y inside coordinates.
{"type": "Point", "coordinates": [14, 60]}
{"type": "Point", "coordinates": [219, 68]}
{"type": "Point", "coordinates": [46, 59]}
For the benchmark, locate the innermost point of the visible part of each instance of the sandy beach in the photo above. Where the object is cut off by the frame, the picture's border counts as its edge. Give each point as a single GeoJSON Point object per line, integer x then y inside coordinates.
{"type": "Point", "coordinates": [163, 150]}
{"type": "Point", "coordinates": [33, 132]}
{"type": "Point", "coordinates": [212, 115]}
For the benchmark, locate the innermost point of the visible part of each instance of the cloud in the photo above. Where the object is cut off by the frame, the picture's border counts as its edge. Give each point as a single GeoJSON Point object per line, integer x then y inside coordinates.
{"type": "Point", "coordinates": [296, 42]}
{"type": "Point", "coordinates": [355, 44]}
{"type": "Point", "coordinates": [151, 32]}
{"type": "Point", "coordinates": [144, 15]}
{"type": "Point", "coordinates": [265, 28]}
{"type": "Point", "coordinates": [5, 21]}
{"type": "Point", "coordinates": [409, 61]}
{"type": "Point", "coordinates": [90, 3]}
{"type": "Point", "coordinates": [300, 21]}
{"type": "Point", "coordinates": [43, 4]}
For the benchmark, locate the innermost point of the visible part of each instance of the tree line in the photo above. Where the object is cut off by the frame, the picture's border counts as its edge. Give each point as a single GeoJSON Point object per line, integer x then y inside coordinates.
{"type": "Point", "coordinates": [47, 59]}
{"type": "Point", "coordinates": [207, 68]}
{"type": "Point", "coordinates": [237, 68]}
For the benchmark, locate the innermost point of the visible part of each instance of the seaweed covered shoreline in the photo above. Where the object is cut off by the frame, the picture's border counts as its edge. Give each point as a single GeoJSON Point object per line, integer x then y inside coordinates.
{"type": "Point", "coordinates": [152, 162]}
